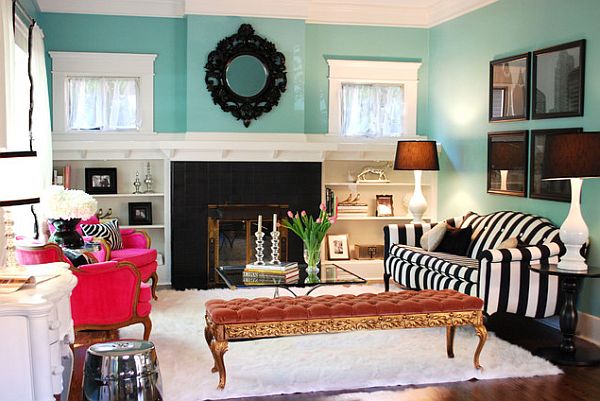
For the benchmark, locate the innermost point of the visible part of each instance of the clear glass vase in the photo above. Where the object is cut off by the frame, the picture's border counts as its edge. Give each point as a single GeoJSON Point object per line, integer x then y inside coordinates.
{"type": "Point", "coordinates": [312, 257]}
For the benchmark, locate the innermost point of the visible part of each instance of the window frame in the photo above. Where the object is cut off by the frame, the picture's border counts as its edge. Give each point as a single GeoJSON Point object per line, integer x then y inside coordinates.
{"type": "Point", "coordinates": [67, 65]}
{"type": "Point", "coordinates": [363, 72]}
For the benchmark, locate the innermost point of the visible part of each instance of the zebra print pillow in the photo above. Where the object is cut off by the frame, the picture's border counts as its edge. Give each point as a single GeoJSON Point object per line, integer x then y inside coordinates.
{"type": "Point", "coordinates": [108, 231]}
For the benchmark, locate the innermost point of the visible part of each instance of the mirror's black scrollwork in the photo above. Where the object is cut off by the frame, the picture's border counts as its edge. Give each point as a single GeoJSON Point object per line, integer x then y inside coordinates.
{"type": "Point", "coordinates": [246, 75]}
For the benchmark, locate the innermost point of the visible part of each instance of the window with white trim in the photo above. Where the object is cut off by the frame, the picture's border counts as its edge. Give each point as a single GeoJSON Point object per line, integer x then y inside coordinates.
{"type": "Point", "coordinates": [372, 98]}
{"type": "Point", "coordinates": [102, 92]}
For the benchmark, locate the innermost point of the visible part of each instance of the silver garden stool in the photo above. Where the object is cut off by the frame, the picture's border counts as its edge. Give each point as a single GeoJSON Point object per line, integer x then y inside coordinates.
{"type": "Point", "coordinates": [125, 370]}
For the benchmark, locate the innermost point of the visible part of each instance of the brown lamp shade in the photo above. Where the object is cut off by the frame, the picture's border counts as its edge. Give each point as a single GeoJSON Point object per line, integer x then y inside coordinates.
{"type": "Point", "coordinates": [416, 155]}
{"type": "Point", "coordinates": [507, 155]}
{"type": "Point", "coordinates": [572, 155]}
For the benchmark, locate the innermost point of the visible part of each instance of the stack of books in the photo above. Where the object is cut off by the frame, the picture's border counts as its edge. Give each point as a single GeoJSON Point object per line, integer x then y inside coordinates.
{"type": "Point", "coordinates": [354, 209]}
{"type": "Point", "coordinates": [283, 273]}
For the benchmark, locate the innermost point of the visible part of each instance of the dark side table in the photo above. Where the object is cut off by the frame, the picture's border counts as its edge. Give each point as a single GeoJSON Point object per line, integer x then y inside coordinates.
{"type": "Point", "coordinates": [566, 353]}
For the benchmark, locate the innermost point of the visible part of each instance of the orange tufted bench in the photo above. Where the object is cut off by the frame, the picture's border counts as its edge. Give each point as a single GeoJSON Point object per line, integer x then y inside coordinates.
{"type": "Point", "coordinates": [267, 317]}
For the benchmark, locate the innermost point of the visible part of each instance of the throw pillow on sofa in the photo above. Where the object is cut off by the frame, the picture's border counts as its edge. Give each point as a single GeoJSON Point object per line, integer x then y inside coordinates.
{"type": "Point", "coordinates": [456, 241]}
{"type": "Point", "coordinates": [108, 231]}
{"type": "Point", "coordinates": [432, 238]}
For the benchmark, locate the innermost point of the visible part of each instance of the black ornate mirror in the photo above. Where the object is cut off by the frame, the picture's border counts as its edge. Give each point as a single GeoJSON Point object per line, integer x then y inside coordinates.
{"type": "Point", "coordinates": [245, 75]}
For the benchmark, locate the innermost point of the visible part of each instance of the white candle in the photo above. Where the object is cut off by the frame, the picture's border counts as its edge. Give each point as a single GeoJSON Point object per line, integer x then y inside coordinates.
{"type": "Point", "coordinates": [274, 222]}
{"type": "Point", "coordinates": [260, 223]}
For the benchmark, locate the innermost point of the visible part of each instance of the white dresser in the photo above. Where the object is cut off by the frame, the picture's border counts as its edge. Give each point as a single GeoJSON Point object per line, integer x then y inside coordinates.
{"type": "Point", "coordinates": [36, 329]}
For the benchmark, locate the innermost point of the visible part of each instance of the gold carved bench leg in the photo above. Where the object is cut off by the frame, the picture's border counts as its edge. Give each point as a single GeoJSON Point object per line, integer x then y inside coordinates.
{"type": "Point", "coordinates": [219, 348]}
{"type": "Point", "coordinates": [208, 335]}
{"type": "Point", "coordinates": [482, 334]}
{"type": "Point", "coordinates": [450, 330]}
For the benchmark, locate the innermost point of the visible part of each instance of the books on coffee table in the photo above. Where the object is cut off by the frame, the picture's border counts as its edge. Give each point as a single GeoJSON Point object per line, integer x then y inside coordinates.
{"type": "Point", "coordinates": [280, 268]}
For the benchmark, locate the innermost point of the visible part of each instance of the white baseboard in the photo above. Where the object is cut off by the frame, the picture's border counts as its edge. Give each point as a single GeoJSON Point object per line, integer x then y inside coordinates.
{"type": "Point", "coordinates": [588, 328]}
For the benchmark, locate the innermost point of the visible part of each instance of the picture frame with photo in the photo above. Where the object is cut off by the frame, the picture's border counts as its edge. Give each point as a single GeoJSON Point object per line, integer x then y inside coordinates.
{"type": "Point", "coordinates": [99, 181]}
{"type": "Point", "coordinates": [337, 245]}
{"type": "Point", "coordinates": [507, 163]}
{"type": "Point", "coordinates": [140, 213]}
{"type": "Point", "coordinates": [385, 205]}
{"type": "Point", "coordinates": [509, 88]}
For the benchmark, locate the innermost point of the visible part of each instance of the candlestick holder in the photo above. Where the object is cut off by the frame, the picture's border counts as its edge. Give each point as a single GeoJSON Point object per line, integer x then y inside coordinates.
{"type": "Point", "coordinates": [148, 180]}
{"type": "Point", "coordinates": [259, 248]}
{"type": "Point", "coordinates": [137, 183]}
{"type": "Point", "coordinates": [275, 248]}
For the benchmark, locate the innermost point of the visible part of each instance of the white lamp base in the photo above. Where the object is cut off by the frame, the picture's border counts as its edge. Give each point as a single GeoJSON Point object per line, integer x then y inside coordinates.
{"type": "Point", "coordinates": [574, 232]}
{"type": "Point", "coordinates": [418, 204]}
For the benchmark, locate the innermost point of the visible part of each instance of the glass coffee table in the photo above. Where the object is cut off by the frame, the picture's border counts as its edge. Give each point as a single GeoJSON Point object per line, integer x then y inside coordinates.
{"type": "Point", "coordinates": [329, 274]}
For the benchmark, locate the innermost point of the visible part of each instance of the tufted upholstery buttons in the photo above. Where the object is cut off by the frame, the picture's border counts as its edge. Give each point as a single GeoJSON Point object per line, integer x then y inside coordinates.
{"type": "Point", "coordinates": [242, 310]}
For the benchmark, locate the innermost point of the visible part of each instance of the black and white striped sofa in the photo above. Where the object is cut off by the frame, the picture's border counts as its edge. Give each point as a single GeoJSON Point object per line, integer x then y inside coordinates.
{"type": "Point", "coordinates": [500, 277]}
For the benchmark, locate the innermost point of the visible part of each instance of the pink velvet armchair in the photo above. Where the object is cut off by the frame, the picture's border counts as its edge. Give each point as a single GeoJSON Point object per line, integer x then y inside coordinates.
{"type": "Point", "coordinates": [108, 295]}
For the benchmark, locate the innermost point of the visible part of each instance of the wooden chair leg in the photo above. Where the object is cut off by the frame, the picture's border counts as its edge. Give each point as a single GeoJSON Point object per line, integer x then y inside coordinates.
{"type": "Point", "coordinates": [147, 327]}
{"type": "Point", "coordinates": [482, 334]}
{"type": "Point", "coordinates": [154, 278]}
{"type": "Point", "coordinates": [450, 330]}
{"type": "Point", "coordinates": [218, 349]}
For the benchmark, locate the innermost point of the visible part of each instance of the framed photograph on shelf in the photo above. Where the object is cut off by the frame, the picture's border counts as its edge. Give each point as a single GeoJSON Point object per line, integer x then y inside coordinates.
{"type": "Point", "coordinates": [558, 190]}
{"type": "Point", "coordinates": [558, 80]}
{"type": "Point", "coordinates": [100, 181]}
{"type": "Point", "coordinates": [140, 213]}
{"type": "Point", "coordinates": [507, 163]}
{"type": "Point", "coordinates": [338, 247]}
{"type": "Point", "coordinates": [385, 206]}
{"type": "Point", "coordinates": [509, 88]}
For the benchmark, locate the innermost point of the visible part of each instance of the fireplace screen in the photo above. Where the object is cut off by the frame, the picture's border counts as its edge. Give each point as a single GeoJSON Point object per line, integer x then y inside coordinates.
{"type": "Point", "coordinates": [231, 239]}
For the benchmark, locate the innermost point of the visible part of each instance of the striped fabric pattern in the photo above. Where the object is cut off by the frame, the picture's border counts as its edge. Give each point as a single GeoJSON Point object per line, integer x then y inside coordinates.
{"type": "Point", "coordinates": [108, 231]}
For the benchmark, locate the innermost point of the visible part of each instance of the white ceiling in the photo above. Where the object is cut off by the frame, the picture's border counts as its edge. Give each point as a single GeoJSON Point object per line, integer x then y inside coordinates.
{"type": "Point", "coordinates": [406, 13]}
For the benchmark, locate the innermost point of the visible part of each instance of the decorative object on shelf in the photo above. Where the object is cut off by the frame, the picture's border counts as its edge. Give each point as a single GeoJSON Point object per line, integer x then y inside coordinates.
{"type": "Point", "coordinates": [352, 207]}
{"type": "Point", "coordinates": [559, 190]}
{"type": "Point", "coordinates": [65, 208]}
{"type": "Point", "coordinates": [509, 88]}
{"type": "Point", "coordinates": [337, 246]}
{"type": "Point", "coordinates": [140, 213]}
{"type": "Point", "coordinates": [385, 205]}
{"type": "Point", "coordinates": [245, 75]}
{"type": "Point", "coordinates": [101, 215]}
{"type": "Point", "coordinates": [100, 181]}
{"type": "Point", "coordinates": [368, 251]}
{"type": "Point", "coordinates": [417, 156]}
{"type": "Point", "coordinates": [312, 232]}
{"type": "Point", "coordinates": [275, 242]}
{"type": "Point", "coordinates": [148, 180]}
{"type": "Point", "coordinates": [558, 80]}
{"type": "Point", "coordinates": [17, 189]}
{"type": "Point", "coordinates": [372, 174]}
{"type": "Point", "coordinates": [573, 156]}
{"type": "Point", "coordinates": [137, 183]}
{"type": "Point", "coordinates": [507, 163]}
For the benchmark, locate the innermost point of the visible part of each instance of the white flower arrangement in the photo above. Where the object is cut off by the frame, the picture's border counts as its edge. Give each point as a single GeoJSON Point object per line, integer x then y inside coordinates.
{"type": "Point", "coordinates": [60, 203]}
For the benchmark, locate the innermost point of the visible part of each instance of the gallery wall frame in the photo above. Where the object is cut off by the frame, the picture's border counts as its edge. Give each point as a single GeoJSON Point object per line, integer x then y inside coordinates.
{"type": "Point", "coordinates": [507, 163]}
{"type": "Point", "coordinates": [509, 88]}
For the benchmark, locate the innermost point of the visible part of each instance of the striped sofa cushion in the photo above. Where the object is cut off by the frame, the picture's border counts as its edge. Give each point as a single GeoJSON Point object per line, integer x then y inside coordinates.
{"type": "Point", "coordinates": [453, 266]}
{"type": "Point", "coordinates": [490, 230]}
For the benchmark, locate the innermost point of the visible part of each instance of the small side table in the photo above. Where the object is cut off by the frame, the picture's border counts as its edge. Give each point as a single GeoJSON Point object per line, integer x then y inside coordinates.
{"type": "Point", "coordinates": [566, 353]}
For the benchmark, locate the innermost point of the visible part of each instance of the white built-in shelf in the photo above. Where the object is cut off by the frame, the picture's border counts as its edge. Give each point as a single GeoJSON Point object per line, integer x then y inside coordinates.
{"type": "Point", "coordinates": [382, 218]}
{"type": "Point", "coordinates": [146, 227]}
{"type": "Point", "coordinates": [152, 194]}
{"type": "Point", "coordinates": [372, 184]}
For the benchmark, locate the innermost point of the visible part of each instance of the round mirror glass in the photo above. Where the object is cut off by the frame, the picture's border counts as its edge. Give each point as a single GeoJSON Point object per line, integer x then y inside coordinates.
{"type": "Point", "coordinates": [246, 75]}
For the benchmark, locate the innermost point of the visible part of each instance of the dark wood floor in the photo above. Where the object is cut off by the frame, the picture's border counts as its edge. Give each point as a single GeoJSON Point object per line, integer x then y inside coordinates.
{"type": "Point", "coordinates": [577, 384]}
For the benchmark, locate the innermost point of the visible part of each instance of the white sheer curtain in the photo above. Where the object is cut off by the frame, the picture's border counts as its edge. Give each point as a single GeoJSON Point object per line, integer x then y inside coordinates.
{"type": "Point", "coordinates": [372, 110]}
{"type": "Point", "coordinates": [7, 43]}
{"type": "Point", "coordinates": [107, 104]}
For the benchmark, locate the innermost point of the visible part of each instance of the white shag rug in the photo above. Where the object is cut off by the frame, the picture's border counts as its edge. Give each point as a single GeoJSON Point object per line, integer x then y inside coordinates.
{"type": "Point", "coordinates": [323, 362]}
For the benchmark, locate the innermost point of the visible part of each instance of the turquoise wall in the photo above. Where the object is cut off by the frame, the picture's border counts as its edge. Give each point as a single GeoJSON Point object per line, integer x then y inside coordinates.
{"type": "Point", "coordinates": [460, 52]}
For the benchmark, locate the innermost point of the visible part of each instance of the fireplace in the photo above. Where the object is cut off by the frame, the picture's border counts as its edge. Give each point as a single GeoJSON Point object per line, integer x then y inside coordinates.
{"type": "Point", "coordinates": [231, 239]}
{"type": "Point", "coordinates": [199, 189]}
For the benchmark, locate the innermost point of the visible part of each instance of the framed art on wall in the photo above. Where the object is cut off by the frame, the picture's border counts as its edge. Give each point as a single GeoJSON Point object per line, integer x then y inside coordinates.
{"type": "Point", "coordinates": [140, 213]}
{"type": "Point", "coordinates": [559, 190]}
{"type": "Point", "coordinates": [507, 163]}
{"type": "Point", "coordinates": [101, 181]}
{"type": "Point", "coordinates": [509, 88]}
{"type": "Point", "coordinates": [338, 247]}
{"type": "Point", "coordinates": [558, 80]}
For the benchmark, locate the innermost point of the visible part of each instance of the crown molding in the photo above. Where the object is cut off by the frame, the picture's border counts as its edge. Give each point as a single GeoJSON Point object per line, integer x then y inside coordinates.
{"type": "Point", "coordinates": [397, 13]}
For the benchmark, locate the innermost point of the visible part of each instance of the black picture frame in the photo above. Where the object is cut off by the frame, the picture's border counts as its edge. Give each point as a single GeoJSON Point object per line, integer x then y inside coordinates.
{"type": "Point", "coordinates": [556, 190]}
{"type": "Point", "coordinates": [554, 75]}
{"type": "Point", "coordinates": [140, 213]}
{"type": "Point", "coordinates": [504, 90]}
{"type": "Point", "coordinates": [507, 163]}
{"type": "Point", "coordinates": [100, 181]}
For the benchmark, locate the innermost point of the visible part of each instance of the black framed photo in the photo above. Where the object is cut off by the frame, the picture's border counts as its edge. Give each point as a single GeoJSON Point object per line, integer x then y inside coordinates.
{"type": "Point", "coordinates": [509, 88]}
{"type": "Point", "coordinates": [507, 163]}
{"type": "Point", "coordinates": [140, 213]}
{"type": "Point", "coordinates": [101, 180]}
{"type": "Point", "coordinates": [558, 190]}
{"type": "Point", "coordinates": [558, 80]}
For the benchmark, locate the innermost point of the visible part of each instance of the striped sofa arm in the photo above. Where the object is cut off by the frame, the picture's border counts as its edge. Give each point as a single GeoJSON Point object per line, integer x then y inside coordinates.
{"type": "Point", "coordinates": [507, 285]}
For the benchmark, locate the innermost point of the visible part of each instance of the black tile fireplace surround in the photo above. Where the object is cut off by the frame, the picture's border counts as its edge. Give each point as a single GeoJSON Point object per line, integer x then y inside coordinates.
{"type": "Point", "coordinates": [195, 185]}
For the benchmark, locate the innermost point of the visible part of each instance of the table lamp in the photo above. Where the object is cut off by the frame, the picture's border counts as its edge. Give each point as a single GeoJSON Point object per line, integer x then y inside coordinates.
{"type": "Point", "coordinates": [573, 156]}
{"type": "Point", "coordinates": [417, 156]}
{"type": "Point", "coordinates": [506, 156]}
{"type": "Point", "coordinates": [20, 184]}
